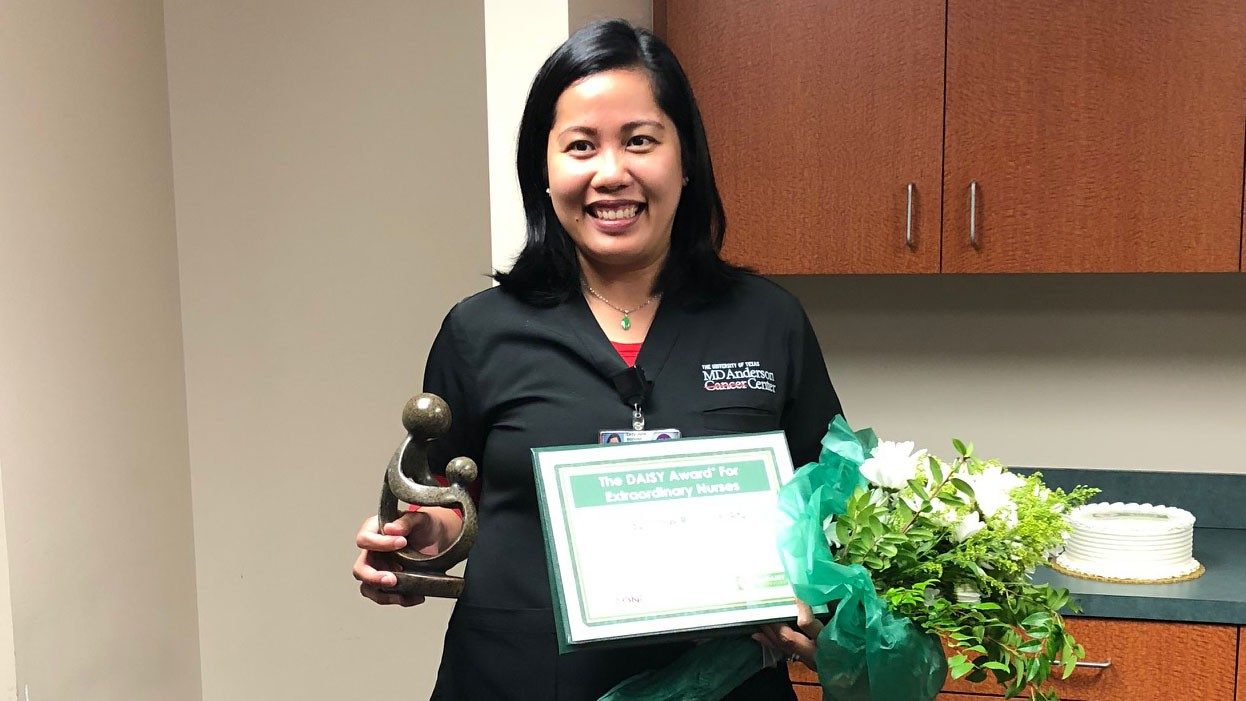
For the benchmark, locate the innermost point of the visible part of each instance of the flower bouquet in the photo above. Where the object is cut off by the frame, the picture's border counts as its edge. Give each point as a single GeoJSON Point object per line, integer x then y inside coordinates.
{"type": "Point", "coordinates": [911, 551]}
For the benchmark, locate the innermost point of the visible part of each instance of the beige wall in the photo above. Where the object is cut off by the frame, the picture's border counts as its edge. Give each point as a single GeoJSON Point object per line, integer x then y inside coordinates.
{"type": "Point", "coordinates": [92, 417]}
{"type": "Point", "coordinates": [8, 653]}
{"type": "Point", "coordinates": [581, 12]}
{"type": "Point", "coordinates": [1131, 371]}
{"type": "Point", "coordinates": [332, 204]}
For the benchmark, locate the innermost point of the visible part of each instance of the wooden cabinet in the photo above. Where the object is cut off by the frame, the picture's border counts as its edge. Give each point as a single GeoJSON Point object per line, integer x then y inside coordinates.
{"type": "Point", "coordinates": [1103, 136]}
{"type": "Point", "coordinates": [1150, 661]}
{"type": "Point", "coordinates": [1241, 663]}
{"type": "Point", "coordinates": [820, 115]}
{"type": "Point", "coordinates": [1097, 136]}
{"type": "Point", "coordinates": [805, 682]}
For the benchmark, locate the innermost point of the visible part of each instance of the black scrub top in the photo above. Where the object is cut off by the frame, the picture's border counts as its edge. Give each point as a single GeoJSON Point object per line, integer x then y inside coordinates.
{"type": "Point", "coordinates": [517, 377]}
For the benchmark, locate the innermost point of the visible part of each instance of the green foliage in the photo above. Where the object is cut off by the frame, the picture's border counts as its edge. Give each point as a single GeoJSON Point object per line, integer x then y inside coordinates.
{"type": "Point", "coordinates": [928, 570]}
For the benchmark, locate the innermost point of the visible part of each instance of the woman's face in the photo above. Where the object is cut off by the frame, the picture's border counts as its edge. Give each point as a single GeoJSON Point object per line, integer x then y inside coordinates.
{"type": "Point", "coordinates": [614, 169]}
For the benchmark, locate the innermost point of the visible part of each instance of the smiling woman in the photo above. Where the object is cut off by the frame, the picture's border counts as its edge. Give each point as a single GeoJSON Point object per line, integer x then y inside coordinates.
{"type": "Point", "coordinates": [624, 228]}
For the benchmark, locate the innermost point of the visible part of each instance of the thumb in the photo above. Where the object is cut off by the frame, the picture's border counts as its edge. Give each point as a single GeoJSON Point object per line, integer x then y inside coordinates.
{"type": "Point", "coordinates": [408, 522]}
{"type": "Point", "coordinates": [805, 620]}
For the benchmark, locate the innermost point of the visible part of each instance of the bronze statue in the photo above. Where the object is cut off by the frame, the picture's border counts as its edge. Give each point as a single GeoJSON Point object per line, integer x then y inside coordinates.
{"type": "Point", "coordinates": [427, 418]}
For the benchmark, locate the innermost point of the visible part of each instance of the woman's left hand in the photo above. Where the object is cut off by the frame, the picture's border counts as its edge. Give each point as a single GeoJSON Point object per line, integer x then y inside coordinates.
{"type": "Point", "coordinates": [800, 643]}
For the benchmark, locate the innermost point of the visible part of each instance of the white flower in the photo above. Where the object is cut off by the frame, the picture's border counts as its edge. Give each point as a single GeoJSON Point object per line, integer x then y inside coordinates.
{"type": "Point", "coordinates": [879, 498]}
{"type": "Point", "coordinates": [828, 529]}
{"type": "Point", "coordinates": [914, 502]}
{"type": "Point", "coordinates": [892, 465]}
{"type": "Point", "coordinates": [968, 594]}
{"type": "Point", "coordinates": [968, 526]}
{"type": "Point", "coordinates": [939, 512]}
{"type": "Point", "coordinates": [992, 490]}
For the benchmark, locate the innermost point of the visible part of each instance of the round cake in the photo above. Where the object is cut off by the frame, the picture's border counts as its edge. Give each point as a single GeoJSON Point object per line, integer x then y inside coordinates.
{"type": "Point", "coordinates": [1130, 543]}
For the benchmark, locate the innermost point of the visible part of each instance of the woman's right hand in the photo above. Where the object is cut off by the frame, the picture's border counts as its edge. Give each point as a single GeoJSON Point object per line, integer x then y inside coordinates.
{"type": "Point", "coordinates": [419, 528]}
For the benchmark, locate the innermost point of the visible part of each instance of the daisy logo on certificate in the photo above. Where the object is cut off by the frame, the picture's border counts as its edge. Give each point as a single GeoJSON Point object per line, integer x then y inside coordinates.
{"type": "Point", "coordinates": [748, 374]}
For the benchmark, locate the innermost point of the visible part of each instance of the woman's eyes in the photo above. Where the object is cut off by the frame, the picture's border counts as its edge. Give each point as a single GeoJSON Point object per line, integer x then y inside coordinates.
{"type": "Point", "coordinates": [639, 142]}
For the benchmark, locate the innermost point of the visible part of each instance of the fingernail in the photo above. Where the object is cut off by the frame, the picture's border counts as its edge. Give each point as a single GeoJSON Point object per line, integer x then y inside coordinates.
{"type": "Point", "coordinates": [389, 580]}
{"type": "Point", "coordinates": [400, 541]}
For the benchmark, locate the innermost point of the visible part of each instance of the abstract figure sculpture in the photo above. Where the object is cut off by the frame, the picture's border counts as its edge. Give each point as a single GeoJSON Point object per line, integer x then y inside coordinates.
{"type": "Point", "coordinates": [408, 479]}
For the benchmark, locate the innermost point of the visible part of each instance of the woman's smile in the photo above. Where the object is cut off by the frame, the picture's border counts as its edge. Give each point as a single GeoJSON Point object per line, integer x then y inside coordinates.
{"type": "Point", "coordinates": [614, 216]}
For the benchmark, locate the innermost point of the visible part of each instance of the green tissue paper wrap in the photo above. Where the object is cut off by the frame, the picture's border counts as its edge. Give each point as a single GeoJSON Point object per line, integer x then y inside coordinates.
{"type": "Point", "coordinates": [707, 672]}
{"type": "Point", "coordinates": [864, 652]}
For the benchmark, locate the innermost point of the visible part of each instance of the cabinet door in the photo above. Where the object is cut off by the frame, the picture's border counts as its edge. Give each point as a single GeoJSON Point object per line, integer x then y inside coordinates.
{"type": "Point", "coordinates": [819, 116]}
{"type": "Point", "coordinates": [1241, 653]}
{"type": "Point", "coordinates": [1149, 661]}
{"type": "Point", "coordinates": [804, 682]}
{"type": "Point", "coordinates": [1103, 136]}
{"type": "Point", "coordinates": [800, 674]}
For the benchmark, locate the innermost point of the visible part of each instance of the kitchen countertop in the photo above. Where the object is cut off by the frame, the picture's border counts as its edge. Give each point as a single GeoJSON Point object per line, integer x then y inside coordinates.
{"type": "Point", "coordinates": [1219, 596]}
{"type": "Point", "coordinates": [1216, 500]}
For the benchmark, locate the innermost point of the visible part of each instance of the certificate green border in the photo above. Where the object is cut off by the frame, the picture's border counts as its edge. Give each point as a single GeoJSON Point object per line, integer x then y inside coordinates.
{"type": "Point", "coordinates": [561, 599]}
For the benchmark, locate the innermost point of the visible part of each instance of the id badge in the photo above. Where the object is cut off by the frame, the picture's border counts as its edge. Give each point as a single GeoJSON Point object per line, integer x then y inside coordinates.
{"type": "Point", "coordinates": [630, 436]}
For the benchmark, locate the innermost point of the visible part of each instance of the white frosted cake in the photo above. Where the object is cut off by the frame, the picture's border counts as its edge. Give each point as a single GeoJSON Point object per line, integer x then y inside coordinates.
{"type": "Point", "coordinates": [1130, 543]}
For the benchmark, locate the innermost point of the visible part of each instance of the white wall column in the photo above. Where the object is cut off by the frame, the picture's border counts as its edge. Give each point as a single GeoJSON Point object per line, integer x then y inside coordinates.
{"type": "Point", "coordinates": [519, 36]}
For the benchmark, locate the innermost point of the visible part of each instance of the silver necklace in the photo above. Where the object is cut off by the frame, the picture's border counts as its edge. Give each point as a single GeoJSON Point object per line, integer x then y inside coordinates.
{"type": "Point", "coordinates": [626, 322]}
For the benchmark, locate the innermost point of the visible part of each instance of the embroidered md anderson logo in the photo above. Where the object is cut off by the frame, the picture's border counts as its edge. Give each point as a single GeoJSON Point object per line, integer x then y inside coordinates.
{"type": "Point", "coordinates": [745, 375]}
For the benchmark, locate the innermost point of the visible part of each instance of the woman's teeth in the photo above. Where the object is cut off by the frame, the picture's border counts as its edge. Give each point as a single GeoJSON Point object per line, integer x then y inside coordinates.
{"type": "Point", "coordinates": [617, 213]}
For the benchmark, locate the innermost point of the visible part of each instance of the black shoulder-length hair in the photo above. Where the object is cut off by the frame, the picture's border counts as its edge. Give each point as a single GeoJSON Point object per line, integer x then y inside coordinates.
{"type": "Point", "coordinates": [547, 271]}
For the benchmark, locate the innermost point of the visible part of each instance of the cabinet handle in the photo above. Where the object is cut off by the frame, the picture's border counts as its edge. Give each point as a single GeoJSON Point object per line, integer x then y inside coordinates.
{"type": "Point", "coordinates": [973, 213]}
{"type": "Point", "coordinates": [908, 220]}
{"type": "Point", "coordinates": [1086, 665]}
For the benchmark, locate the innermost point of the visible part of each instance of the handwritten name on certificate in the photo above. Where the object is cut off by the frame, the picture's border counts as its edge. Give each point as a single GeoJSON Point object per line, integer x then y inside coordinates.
{"type": "Point", "coordinates": [669, 537]}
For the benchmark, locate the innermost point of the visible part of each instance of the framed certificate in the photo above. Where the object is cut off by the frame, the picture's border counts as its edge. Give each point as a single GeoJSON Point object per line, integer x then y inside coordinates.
{"type": "Point", "coordinates": [664, 539]}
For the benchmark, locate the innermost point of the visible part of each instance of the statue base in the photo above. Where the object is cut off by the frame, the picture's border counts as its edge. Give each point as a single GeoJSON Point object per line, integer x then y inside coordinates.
{"type": "Point", "coordinates": [427, 584]}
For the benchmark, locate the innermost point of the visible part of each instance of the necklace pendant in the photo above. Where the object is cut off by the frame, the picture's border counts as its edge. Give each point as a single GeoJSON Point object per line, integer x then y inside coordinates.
{"type": "Point", "coordinates": [626, 323]}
